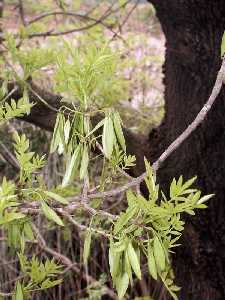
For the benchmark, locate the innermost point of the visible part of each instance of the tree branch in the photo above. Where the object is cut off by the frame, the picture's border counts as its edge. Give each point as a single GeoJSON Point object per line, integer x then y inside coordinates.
{"type": "Point", "coordinates": [1, 15]}
{"type": "Point", "coordinates": [45, 118]}
{"type": "Point", "coordinates": [48, 33]}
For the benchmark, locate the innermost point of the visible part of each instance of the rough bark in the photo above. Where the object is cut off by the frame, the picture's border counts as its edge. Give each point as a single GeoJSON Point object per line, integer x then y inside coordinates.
{"type": "Point", "coordinates": [193, 31]}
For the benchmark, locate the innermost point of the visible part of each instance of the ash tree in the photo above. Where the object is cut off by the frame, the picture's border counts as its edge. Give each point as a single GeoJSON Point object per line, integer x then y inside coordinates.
{"type": "Point", "coordinates": [157, 235]}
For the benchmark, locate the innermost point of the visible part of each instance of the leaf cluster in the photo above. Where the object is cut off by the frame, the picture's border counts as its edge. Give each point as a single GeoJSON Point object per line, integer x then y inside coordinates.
{"type": "Point", "coordinates": [151, 227]}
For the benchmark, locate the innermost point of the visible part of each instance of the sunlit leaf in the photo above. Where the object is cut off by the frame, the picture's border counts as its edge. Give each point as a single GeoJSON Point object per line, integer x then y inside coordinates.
{"type": "Point", "coordinates": [51, 214]}
{"type": "Point", "coordinates": [108, 137]}
{"type": "Point", "coordinates": [56, 197]}
{"type": "Point", "coordinates": [134, 261]}
{"type": "Point", "coordinates": [87, 246]}
{"type": "Point", "coordinates": [159, 254]}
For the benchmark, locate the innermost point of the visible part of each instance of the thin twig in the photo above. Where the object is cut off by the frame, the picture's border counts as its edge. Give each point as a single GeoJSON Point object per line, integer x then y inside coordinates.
{"type": "Point", "coordinates": [75, 15]}
{"type": "Point", "coordinates": [9, 157]}
{"type": "Point", "coordinates": [1, 15]}
{"type": "Point", "coordinates": [21, 11]}
{"type": "Point", "coordinates": [96, 22]}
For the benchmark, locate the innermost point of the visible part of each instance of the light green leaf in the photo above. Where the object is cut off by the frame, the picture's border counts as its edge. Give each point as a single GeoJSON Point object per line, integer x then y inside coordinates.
{"type": "Point", "coordinates": [49, 284]}
{"type": "Point", "coordinates": [151, 262]}
{"type": "Point", "coordinates": [19, 292]}
{"type": "Point", "coordinates": [70, 167]}
{"type": "Point", "coordinates": [124, 219]}
{"type": "Point", "coordinates": [100, 124]}
{"type": "Point", "coordinates": [108, 137]}
{"type": "Point", "coordinates": [127, 266]}
{"type": "Point", "coordinates": [118, 130]}
{"type": "Point", "coordinates": [205, 198]}
{"type": "Point", "coordinates": [134, 261]}
{"type": "Point", "coordinates": [84, 162]}
{"type": "Point", "coordinates": [120, 246]}
{"type": "Point", "coordinates": [87, 246]}
{"type": "Point", "coordinates": [131, 198]}
{"type": "Point", "coordinates": [114, 262]}
{"type": "Point", "coordinates": [56, 136]}
{"type": "Point", "coordinates": [159, 254]}
{"type": "Point", "coordinates": [67, 131]}
{"type": "Point", "coordinates": [56, 197]}
{"type": "Point", "coordinates": [51, 214]}
{"type": "Point", "coordinates": [122, 285]}
{"type": "Point", "coordinates": [188, 183]}
{"type": "Point", "coordinates": [28, 231]}
{"type": "Point", "coordinates": [223, 45]}
{"type": "Point", "coordinates": [11, 216]}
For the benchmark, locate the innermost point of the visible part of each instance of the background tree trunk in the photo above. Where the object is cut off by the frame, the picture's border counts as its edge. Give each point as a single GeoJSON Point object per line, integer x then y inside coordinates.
{"type": "Point", "coordinates": [193, 31]}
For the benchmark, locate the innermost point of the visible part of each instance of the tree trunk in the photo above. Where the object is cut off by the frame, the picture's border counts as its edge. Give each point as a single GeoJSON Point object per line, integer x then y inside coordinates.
{"type": "Point", "coordinates": [193, 31]}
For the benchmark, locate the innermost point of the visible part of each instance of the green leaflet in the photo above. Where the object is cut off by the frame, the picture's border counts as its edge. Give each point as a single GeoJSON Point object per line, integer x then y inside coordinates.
{"type": "Point", "coordinates": [84, 162]}
{"type": "Point", "coordinates": [73, 164]}
{"type": "Point", "coordinates": [11, 216]}
{"type": "Point", "coordinates": [143, 204]}
{"type": "Point", "coordinates": [86, 125]}
{"type": "Point", "coordinates": [56, 136]}
{"type": "Point", "coordinates": [67, 131]}
{"type": "Point", "coordinates": [223, 45]}
{"type": "Point", "coordinates": [205, 198]}
{"type": "Point", "coordinates": [51, 214]}
{"type": "Point", "coordinates": [28, 231]}
{"type": "Point", "coordinates": [151, 262]}
{"type": "Point", "coordinates": [49, 284]}
{"type": "Point", "coordinates": [19, 292]}
{"type": "Point", "coordinates": [122, 283]}
{"type": "Point", "coordinates": [150, 180]}
{"type": "Point", "coordinates": [127, 267]}
{"type": "Point", "coordinates": [159, 254]}
{"type": "Point", "coordinates": [56, 197]}
{"type": "Point", "coordinates": [131, 198]}
{"type": "Point", "coordinates": [118, 130]}
{"type": "Point", "coordinates": [87, 246]}
{"type": "Point", "coordinates": [114, 262]}
{"type": "Point", "coordinates": [108, 137]}
{"type": "Point", "coordinates": [134, 261]}
{"type": "Point", "coordinates": [124, 219]}
{"type": "Point", "coordinates": [100, 124]}
{"type": "Point", "coordinates": [62, 143]}
{"type": "Point", "coordinates": [120, 246]}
